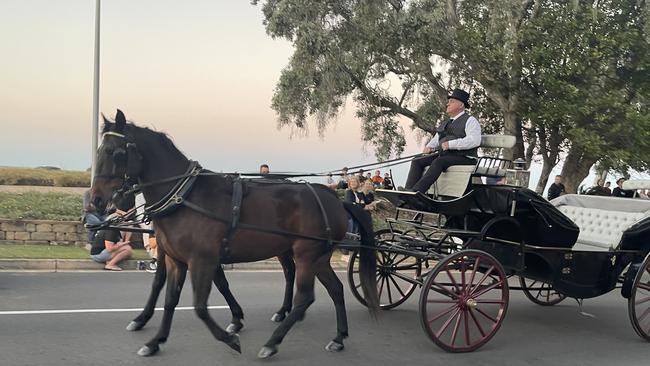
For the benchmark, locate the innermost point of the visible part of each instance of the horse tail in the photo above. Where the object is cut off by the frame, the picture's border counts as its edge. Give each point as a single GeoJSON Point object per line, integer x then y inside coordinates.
{"type": "Point", "coordinates": [367, 256]}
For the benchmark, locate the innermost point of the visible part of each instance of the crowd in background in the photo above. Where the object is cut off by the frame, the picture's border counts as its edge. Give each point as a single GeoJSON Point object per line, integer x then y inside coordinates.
{"type": "Point", "coordinates": [600, 189]}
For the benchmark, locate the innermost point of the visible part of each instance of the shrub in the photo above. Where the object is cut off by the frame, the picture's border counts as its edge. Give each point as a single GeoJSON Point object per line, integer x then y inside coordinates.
{"type": "Point", "coordinates": [44, 177]}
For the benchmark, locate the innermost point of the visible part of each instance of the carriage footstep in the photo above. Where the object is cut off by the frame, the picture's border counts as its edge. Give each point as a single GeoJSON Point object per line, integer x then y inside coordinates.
{"type": "Point", "coordinates": [267, 352]}
{"type": "Point", "coordinates": [134, 326]}
{"type": "Point", "coordinates": [334, 346]}
{"type": "Point", "coordinates": [147, 351]}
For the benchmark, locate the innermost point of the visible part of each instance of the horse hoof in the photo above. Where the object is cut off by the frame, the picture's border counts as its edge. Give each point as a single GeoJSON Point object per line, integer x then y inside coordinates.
{"type": "Point", "coordinates": [233, 328]}
{"type": "Point", "coordinates": [278, 317]}
{"type": "Point", "coordinates": [234, 343]}
{"type": "Point", "coordinates": [334, 346]}
{"type": "Point", "coordinates": [134, 326]}
{"type": "Point", "coordinates": [147, 351]}
{"type": "Point", "coordinates": [267, 352]}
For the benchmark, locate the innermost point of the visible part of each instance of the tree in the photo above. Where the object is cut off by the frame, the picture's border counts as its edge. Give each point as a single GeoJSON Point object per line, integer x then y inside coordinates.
{"type": "Point", "coordinates": [587, 93]}
{"type": "Point", "coordinates": [397, 59]}
{"type": "Point", "coordinates": [567, 77]}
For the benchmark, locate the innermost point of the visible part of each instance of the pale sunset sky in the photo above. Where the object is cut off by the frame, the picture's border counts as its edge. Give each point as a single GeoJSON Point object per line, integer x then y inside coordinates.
{"type": "Point", "coordinates": [202, 71]}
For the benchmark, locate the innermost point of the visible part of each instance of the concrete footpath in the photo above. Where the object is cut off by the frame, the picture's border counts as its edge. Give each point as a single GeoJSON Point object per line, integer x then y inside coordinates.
{"type": "Point", "coordinates": [55, 265]}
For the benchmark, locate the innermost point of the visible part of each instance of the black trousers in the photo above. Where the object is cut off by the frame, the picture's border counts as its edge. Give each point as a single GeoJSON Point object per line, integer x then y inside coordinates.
{"type": "Point", "coordinates": [437, 164]}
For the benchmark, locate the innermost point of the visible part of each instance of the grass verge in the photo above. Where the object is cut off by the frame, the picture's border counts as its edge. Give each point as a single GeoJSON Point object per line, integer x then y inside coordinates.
{"type": "Point", "coordinates": [40, 206]}
{"type": "Point", "coordinates": [20, 251]}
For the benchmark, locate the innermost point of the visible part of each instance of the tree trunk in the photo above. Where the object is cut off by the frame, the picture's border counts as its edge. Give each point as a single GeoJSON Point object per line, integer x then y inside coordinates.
{"type": "Point", "coordinates": [512, 126]}
{"type": "Point", "coordinates": [547, 167]}
{"type": "Point", "coordinates": [576, 168]}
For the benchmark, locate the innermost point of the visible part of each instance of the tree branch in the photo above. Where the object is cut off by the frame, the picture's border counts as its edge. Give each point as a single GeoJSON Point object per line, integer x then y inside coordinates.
{"type": "Point", "coordinates": [384, 102]}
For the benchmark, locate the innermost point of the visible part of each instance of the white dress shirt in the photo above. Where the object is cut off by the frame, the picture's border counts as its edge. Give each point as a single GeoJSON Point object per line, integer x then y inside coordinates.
{"type": "Point", "coordinates": [471, 140]}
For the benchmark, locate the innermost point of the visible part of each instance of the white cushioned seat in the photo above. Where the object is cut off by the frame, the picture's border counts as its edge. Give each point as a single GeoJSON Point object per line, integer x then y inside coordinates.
{"type": "Point", "coordinates": [453, 182]}
{"type": "Point", "coordinates": [602, 220]}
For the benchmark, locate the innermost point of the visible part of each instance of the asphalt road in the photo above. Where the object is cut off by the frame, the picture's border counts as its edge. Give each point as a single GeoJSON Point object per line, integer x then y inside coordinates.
{"type": "Point", "coordinates": [531, 335]}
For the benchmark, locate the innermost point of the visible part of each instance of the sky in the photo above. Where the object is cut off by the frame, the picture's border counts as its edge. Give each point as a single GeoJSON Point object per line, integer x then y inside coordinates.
{"type": "Point", "coordinates": [203, 71]}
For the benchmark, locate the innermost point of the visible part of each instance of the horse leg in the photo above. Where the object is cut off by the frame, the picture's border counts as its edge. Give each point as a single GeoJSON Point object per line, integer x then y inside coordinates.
{"type": "Point", "coordinates": [176, 279]}
{"type": "Point", "coordinates": [202, 276]}
{"type": "Point", "coordinates": [289, 269]}
{"type": "Point", "coordinates": [334, 287]}
{"type": "Point", "coordinates": [237, 313]}
{"type": "Point", "coordinates": [303, 298]}
{"type": "Point", "coordinates": [157, 285]}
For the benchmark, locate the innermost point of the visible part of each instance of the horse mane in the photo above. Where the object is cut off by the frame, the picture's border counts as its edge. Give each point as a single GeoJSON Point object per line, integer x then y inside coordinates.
{"type": "Point", "coordinates": [160, 138]}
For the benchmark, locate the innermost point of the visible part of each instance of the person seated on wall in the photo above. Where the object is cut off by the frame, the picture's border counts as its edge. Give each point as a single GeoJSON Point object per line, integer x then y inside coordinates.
{"type": "Point", "coordinates": [111, 246]}
{"type": "Point", "coordinates": [457, 139]}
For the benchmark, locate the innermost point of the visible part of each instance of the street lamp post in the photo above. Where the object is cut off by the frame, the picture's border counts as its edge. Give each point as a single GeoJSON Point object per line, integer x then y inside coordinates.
{"type": "Point", "coordinates": [95, 93]}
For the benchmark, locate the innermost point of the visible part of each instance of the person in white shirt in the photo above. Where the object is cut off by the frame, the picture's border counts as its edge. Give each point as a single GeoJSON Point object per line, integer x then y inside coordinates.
{"type": "Point", "coordinates": [457, 141]}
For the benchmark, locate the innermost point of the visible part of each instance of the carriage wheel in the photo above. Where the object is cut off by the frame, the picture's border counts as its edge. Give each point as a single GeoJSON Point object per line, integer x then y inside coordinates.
{"type": "Point", "coordinates": [540, 293]}
{"type": "Point", "coordinates": [396, 274]}
{"type": "Point", "coordinates": [639, 301]}
{"type": "Point", "coordinates": [464, 300]}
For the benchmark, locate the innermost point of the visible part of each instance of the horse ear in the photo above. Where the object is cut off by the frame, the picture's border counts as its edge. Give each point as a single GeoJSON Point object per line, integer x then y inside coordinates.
{"type": "Point", "coordinates": [120, 121]}
{"type": "Point", "coordinates": [107, 124]}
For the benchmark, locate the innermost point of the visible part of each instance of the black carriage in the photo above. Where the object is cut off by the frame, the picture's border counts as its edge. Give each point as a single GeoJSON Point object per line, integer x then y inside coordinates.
{"type": "Point", "coordinates": [464, 240]}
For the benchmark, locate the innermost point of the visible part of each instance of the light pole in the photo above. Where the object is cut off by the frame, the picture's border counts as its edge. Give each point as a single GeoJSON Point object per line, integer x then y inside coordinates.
{"type": "Point", "coordinates": [95, 93]}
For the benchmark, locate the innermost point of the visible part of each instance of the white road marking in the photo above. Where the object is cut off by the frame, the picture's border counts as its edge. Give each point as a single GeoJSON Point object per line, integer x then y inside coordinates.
{"type": "Point", "coordinates": [83, 311]}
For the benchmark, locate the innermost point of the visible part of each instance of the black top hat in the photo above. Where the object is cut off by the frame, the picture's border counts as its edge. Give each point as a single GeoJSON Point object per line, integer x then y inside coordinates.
{"type": "Point", "coordinates": [461, 95]}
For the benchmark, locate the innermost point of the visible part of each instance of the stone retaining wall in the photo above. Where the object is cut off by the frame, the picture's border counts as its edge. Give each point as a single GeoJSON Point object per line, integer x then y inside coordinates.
{"type": "Point", "coordinates": [43, 232]}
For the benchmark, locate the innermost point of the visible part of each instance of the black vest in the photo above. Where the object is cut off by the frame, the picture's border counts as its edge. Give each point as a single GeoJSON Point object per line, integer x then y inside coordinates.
{"type": "Point", "coordinates": [452, 130]}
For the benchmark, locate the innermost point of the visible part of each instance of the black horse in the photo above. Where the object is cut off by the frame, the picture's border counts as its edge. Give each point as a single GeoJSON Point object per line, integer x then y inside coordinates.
{"type": "Point", "coordinates": [196, 215]}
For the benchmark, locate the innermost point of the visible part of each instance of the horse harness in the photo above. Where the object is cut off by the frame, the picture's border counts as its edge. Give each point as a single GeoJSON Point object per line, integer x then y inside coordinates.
{"type": "Point", "coordinates": [177, 196]}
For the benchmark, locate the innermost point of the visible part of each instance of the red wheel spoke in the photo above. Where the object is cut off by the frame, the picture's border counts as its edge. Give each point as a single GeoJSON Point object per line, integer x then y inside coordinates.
{"type": "Point", "coordinates": [486, 289]}
{"type": "Point", "coordinates": [447, 323]}
{"type": "Point", "coordinates": [447, 311]}
{"type": "Point", "coordinates": [478, 324]}
{"type": "Point", "coordinates": [452, 280]}
{"type": "Point", "coordinates": [466, 323]}
{"type": "Point", "coordinates": [463, 268]}
{"type": "Point", "coordinates": [454, 333]}
{"type": "Point", "coordinates": [381, 287]}
{"type": "Point", "coordinates": [485, 315]}
{"type": "Point", "coordinates": [399, 289]}
{"type": "Point", "coordinates": [445, 291]}
{"type": "Point", "coordinates": [390, 295]}
{"type": "Point", "coordinates": [644, 314]}
{"type": "Point", "coordinates": [485, 276]}
{"type": "Point", "coordinates": [474, 269]}
{"type": "Point", "coordinates": [642, 301]}
{"type": "Point", "coordinates": [644, 286]}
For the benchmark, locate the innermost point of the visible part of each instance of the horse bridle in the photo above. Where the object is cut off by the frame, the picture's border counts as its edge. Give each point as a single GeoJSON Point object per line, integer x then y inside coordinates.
{"type": "Point", "coordinates": [127, 154]}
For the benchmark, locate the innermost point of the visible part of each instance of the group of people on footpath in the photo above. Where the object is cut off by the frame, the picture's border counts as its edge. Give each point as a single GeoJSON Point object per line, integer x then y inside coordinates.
{"type": "Point", "coordinates": [600, 189]}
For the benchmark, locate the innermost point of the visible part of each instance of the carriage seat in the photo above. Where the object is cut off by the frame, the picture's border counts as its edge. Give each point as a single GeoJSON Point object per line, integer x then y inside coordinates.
{"type": "Point", "coordinates": [453, 182]}
{"type": "Point", "coordinates": [602, 220]}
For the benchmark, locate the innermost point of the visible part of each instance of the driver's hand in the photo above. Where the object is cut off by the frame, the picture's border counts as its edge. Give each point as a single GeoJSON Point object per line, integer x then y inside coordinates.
{"type": "Point", "coordinates": [427, 150]}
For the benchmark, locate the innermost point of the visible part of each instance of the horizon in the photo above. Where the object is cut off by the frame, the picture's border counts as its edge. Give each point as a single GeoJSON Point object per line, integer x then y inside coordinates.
{"type": "Point", "coordinates": [179, 63]}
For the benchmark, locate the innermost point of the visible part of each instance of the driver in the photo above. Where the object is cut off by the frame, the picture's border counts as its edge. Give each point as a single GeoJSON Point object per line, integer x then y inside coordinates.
{"type": "Point", "coordinates": [457, 139]}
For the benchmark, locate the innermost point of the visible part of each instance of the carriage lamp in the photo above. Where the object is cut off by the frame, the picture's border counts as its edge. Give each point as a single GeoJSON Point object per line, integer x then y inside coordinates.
{"type": "Point", "coordinates": [518, 175]}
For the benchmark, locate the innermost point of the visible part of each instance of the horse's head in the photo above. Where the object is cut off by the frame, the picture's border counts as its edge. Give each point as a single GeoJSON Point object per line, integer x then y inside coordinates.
{"type": "Point", "coordinates": [118, 161]}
